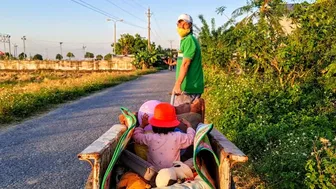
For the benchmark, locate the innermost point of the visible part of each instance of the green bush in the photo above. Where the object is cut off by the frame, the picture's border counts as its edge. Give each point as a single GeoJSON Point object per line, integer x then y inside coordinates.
{"type": "Point", "coordinates": [321, 165]}
{"type": "Point", "coordinates": [284, 95]}
{"type": "Point", "coordinates": [272, 125]}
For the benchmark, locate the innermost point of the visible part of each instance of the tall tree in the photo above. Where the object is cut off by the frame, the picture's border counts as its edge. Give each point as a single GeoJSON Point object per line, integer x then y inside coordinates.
{"type": "Point", "coordinates": [22, 56]}
{"type": "Point", "coordinates": [129, 44]}
{"type": "Point", "coordinates": [89, 55]}
{"type": "Point", "coordinates": [108, 56]}
{"type": "Point", "coordinates": [99, 57]}
{"type": "Point", "coordinates": [37, 57]}
{"type": "Point", "coordinates": [140, 43]}
{"type": "Point", "coordinates": [59, 57]}
{"type": "Point", "coordinates": [70, 55]}
{"type": "Point", "coordinates": [125, 44]}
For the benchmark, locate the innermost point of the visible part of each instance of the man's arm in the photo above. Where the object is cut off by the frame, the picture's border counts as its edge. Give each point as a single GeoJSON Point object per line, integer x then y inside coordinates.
{"type": "Point", "coordinates": [183, 72]}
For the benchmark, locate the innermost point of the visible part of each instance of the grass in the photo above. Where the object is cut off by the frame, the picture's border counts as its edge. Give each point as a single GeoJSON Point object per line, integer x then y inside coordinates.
{"type": "Point", "coordinates": [23, 94]}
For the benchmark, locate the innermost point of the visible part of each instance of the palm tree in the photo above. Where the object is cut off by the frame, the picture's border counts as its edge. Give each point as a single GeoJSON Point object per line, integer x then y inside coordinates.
{"type": "Point", "coordinates": [270, 10]}
{"type": "Point", "coordinates": [260, 31]}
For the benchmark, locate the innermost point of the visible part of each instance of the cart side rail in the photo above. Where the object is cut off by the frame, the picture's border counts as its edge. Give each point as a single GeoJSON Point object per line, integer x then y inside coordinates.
{"type": "Point", "coordinates": [228, 154]}
{"type": "Point", "coordinates": [99, 154]}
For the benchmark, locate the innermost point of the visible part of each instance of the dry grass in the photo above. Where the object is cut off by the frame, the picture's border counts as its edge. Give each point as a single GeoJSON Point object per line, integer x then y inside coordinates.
{"type": "Point", "coordinates": [22, 94]}
{"type": "Point", "coordinates": [245, 178]}
{"type": "Point", "coordinates": [21, 77]}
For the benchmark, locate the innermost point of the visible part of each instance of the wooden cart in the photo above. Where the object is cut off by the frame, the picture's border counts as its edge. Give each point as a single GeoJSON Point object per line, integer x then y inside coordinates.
{"type": "Point", "coordinates": [100, 152]}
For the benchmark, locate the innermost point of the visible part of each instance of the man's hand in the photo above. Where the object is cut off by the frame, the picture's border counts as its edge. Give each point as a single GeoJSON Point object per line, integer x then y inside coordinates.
{"type": "Point", "coordinates": [144, 122]}
{"type": "Point", "coordinates": [177, 89]}
{"type": "Point", "coordinates": [173, 63]}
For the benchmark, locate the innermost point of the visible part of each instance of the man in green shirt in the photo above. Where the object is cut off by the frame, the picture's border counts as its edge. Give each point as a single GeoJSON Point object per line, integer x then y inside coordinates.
{"type": "Point", "coordinates": [189, 83]}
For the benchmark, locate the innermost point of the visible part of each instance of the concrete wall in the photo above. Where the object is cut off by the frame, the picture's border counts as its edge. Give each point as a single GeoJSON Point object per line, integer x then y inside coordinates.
{"type": "Point", "coordinates": [118, 63]}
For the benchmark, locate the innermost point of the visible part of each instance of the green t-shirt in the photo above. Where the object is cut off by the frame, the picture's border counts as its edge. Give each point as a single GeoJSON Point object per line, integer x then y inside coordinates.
{"type": "Point", "coordinates": [193, 83]}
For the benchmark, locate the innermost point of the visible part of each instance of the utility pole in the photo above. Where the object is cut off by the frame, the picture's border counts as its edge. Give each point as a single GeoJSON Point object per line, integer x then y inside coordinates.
{"type": "Point", "coordinates": [84, 47]}
{"type": "Point", "coordinates": [149, 14]}
{"type": "Point", "coordinates": [10, 49]}
{"type": "Point", "coordinates": [115, 34]}
{"type": "Point", "coordinates": [61, 48]}
{"type": "Point", "coordinates": [115, 37]}
{"type": "Point", "coordinates": [3, 39]}
{"type": "Point", "coordinates": [24, 47]}
{"type": "Point", "coordinates": [171, 44]}
{"type": "Point", "coordinates": [15, 50]}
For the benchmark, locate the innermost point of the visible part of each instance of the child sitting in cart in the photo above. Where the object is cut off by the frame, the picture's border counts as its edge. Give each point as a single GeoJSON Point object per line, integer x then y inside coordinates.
{"type": "Point", "coordinates": [164, 144]}
{"type": "Point", "coordinates": [183, 109]}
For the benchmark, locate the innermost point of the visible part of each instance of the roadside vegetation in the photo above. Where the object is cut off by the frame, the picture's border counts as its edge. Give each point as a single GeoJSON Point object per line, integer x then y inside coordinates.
{"type": "Point", "coordinates": [25, 93]}
{"type": "Point", "coordinates": [274, 93]}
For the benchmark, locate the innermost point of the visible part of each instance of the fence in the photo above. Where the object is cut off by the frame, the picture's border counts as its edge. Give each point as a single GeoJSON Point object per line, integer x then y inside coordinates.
{"type": "Point", "coordinates": [118, 63]}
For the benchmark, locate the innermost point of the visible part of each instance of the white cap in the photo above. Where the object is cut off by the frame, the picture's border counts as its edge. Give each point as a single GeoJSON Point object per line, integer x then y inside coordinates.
{"type": "Point", "coordinates": [185, 17]}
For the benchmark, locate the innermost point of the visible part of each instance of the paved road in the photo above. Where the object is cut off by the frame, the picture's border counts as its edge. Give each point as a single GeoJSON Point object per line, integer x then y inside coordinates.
{"type": "Point", "coordinates": [42, 152]}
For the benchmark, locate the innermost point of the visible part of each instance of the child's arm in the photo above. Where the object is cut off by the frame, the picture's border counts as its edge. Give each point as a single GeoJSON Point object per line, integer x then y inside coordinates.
{"type": "Point", "coordinates": [187, 139]}
{"type": "Point", "coordinates": [139, 135]}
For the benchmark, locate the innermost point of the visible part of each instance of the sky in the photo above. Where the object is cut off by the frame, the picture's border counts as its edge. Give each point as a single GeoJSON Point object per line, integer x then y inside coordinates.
{"type": "Point", "coordinates": [45, 23]}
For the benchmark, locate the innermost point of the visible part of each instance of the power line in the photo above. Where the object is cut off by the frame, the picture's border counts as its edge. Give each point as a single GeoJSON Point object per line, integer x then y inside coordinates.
{"type": "Point", "coordinates": [125, 10]}
{"type": "Point", "coordinates": [104, 13]}
{"type": "Point", "coordinates": [125, 22]}
{"type": "Point", "coordinates": [157, 23]}
{"type": "Point", "coordinates": [132, 5]}
{"type": "Point", "coordinates": [139, 4]}
{"type": "Point", "coordinates": [95, 9]}
{"type": "Point", "coordinates": [156, 34]}
{"type": "Point", "coordinates": [98, 9]}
